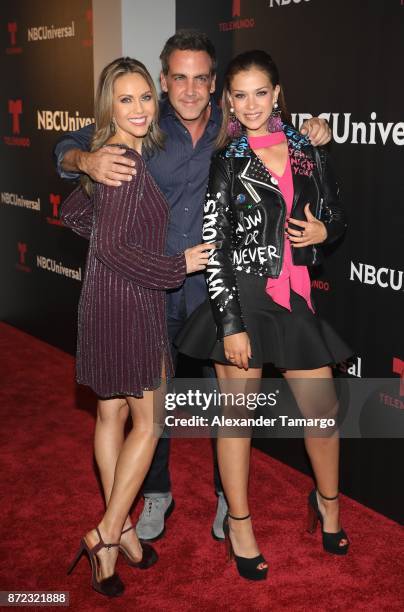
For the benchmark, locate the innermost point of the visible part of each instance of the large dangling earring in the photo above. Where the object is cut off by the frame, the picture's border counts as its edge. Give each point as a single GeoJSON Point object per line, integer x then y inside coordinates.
{"type": "Point", "coordinates": [112, 126]}
{"type": "Point", "coordinates": [234, 129]}
{"type": "Point", "coordinates": [275, 121]}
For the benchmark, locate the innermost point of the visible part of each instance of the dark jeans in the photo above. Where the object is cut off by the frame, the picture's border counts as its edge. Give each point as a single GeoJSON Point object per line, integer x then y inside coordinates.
{"type": "Point", "coordinates": [158, 477]}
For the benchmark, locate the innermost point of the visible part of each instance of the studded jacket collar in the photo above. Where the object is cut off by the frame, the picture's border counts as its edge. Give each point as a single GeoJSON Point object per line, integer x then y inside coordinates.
{"type": "Point", "coordinates": [244, 214]}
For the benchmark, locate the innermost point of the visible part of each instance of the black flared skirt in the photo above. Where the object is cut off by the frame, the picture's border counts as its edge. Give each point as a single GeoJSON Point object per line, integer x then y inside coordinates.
{"type": "Point", "coordinates": [290, 340]}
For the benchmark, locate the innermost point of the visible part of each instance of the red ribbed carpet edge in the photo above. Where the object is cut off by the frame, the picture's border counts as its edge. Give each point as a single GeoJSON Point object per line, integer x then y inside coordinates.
{"type": "Point", "coordinates": [50, 497]}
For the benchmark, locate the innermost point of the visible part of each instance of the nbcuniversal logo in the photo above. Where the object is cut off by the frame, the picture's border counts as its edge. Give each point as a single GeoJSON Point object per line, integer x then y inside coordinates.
{"type": "Point", "coordinates": [13, 199]}
{"type": "Point", "coordinates": [363, 132]}
{"type": "Point", "coordinates": [61, 120]}
{"type": "Point", "coordinates": [383, 277]}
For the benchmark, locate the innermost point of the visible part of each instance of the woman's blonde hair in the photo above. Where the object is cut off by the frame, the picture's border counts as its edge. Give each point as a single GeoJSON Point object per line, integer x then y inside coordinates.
{"type": "Point", "coordinates": [103, 108]}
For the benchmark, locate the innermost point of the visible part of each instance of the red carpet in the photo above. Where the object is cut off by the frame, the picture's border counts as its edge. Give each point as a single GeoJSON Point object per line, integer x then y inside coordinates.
{"type": "Point", "coordinates": [50, 497]}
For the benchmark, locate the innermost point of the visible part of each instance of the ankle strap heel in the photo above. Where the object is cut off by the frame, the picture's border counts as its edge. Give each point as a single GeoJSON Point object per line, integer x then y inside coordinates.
{"type": "Point", "coordinates": [149, 554]}
{"type": "Point", "coordinates": [246, 567]}
{"type": "Point", "coordinates": [331, 541]}
{"type": "Point", "coordinates": [112, 586]}
{"type": "Point", "coordinates": [238, 518]}
{"type": "Point", "coordinates": [327, 498]}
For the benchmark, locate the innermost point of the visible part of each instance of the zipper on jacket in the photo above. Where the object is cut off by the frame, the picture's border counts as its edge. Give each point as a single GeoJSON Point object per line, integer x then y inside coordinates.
{"type": "Point", "coordinates": [243, 180]}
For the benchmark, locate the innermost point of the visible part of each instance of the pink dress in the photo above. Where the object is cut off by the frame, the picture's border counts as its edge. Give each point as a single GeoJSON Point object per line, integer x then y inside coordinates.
{"type": "Point", "coordinates": [291, 277]}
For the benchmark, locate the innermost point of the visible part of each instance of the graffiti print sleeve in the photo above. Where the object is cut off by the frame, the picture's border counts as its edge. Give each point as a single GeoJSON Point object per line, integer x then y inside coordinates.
{"type": "Point", "coordinates": [220, 274]}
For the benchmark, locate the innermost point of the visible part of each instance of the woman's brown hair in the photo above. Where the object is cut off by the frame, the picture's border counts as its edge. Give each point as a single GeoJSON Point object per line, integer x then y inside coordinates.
{"type": "Point", "coordinates": [103, 108]}
{"type": "Point", "coordinates": [241, 63]}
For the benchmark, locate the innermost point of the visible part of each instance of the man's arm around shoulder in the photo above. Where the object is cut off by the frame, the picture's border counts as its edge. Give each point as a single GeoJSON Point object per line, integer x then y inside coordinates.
{"type": "Point", "coordinates": [106, 165]}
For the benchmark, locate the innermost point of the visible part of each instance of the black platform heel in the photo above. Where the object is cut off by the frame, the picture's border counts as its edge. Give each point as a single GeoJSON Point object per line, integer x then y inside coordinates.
{"type": "Point", "coordinates": [149, 557]}
{"type": "Point", "coordinates": [247, 568]}
{"type": "Point", "coordinates": [331, 541]}
{"type": "Point", "coordinates": [111, 586]}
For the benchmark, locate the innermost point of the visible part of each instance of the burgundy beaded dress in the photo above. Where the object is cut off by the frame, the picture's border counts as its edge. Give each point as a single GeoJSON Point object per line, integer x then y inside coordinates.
{"type": "Point", "coordinates": [122, 330]}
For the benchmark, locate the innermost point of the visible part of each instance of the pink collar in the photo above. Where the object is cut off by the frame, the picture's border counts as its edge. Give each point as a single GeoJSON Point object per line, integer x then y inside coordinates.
{"type": "Point", "coordinates": [266, 140]}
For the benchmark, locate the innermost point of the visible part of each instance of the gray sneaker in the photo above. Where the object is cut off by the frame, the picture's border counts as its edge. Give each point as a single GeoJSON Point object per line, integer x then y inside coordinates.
{"type": "Point", "coordinates": [217, 527]}
{"type": "Point", "coordinates": [157, 508]}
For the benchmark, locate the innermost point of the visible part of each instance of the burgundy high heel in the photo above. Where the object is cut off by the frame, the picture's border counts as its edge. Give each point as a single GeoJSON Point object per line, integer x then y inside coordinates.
{"type": "Point", "coordinates": [111, 586]}
{"type": "Point", "coordinates": [149, 557]}
{"type": "Point", "coordinates": [331, 541]}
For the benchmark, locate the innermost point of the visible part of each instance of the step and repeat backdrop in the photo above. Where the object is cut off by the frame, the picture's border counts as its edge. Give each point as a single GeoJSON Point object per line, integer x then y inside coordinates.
{"type": "Point", "coordinates": [46, 57]}
{"type": "Point", "coordinates": [338, 60]}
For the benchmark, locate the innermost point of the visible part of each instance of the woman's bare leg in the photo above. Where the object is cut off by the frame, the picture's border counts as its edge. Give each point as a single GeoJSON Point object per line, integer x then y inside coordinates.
{"type": "Point", "coordinates": [112, 415]}
{"type": "Point", "coordinates": [234, 464]}
{"type": "Point", "coordinates": [132, 465]}
{"type": "Point", "coordinates": [319, 400]}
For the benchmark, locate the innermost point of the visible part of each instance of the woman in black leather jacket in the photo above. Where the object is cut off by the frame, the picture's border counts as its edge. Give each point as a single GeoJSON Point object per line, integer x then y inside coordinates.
{"type": "Point", "coordinates": [272, 201]}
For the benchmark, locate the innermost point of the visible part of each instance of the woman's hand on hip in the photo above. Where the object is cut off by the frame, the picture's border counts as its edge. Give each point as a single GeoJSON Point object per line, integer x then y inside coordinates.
{"type": "Point", "coordinates": [311, 231]}
{"type": "Point", "coordinates": [237, 349]}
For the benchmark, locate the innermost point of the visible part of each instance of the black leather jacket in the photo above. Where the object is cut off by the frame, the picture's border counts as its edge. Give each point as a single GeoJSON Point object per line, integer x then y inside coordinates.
{"type": "Point", "coordinates": [244, 214]}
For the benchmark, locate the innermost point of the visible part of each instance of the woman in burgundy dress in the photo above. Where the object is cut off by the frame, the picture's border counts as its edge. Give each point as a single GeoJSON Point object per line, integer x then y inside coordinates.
{"type": "Point", "coordinates": [123, 352]}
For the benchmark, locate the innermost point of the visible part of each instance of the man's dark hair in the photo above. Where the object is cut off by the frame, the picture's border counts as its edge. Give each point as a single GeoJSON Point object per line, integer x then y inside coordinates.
{"type": "Point", "coordinates": [188, 40]}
